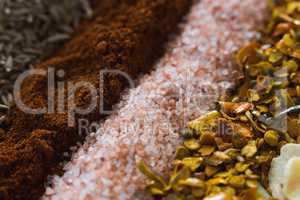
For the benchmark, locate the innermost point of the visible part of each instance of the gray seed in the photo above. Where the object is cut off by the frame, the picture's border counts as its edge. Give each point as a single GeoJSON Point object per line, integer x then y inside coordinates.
{"type": "Point", "coordinates": [30, 30]}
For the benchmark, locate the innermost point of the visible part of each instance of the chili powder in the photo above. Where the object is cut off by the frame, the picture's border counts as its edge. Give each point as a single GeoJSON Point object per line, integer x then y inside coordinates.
{"type": "Point", "coordinates": [127, 35]}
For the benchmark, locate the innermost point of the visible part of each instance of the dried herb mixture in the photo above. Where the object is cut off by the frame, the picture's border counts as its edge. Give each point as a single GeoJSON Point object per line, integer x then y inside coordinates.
{"type": "Point", "coordinates": [226, 154]}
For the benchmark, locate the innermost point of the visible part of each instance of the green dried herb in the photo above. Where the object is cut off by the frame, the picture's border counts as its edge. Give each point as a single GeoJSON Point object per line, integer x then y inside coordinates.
{"type": "Point", "coordinates": [151, 175]}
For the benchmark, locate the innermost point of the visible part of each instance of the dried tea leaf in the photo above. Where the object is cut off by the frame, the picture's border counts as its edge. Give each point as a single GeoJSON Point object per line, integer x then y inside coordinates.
{"type": "Point", "coordinates": [217, 181]}
{"type": "Point", "coordinates": [155, 191]}
{"type": "Point", "coordinates": [275, 56]}
{"type": "Point", "coordinates": [192, 182]}
{"type": "Point", "coordinates": [206, 150]}
{"type": "Point", "coordinates": [151, 175]}
{"type": "Point", "coordinates": [249, 194]}
{"type": "Point", "coordinates": [237, 108]}
{"type": "Point", "coordinates": [198, 192]}
{"type": "Point", "coordinates": [262, 108]}
{"type": "Point", "coordinates": [260, 68]}
{"type": "Point", "coordinates": [237, 181]}
{"type": "Point", "coordinates": [210, 170]}
{"type": "Point", "coordinates": [174, 182]}
{"type": "Point", "coordinates": [293, 127]}
{"type": "Point", "coordinates": [282, 28]}
{"type": "Point", "coordinates": [207, 138]}
{"type": "Point", "coordinates": [190, 162]}
{"type": "Point", "coordinates": [201, 124]}
{"type": "Point", "coordinates": [241, 167]}
{"type": "Point", "coordinates": [288, 40]}
{"type": "Point", "coordinates": [232, 153]}
{"type": "Point", "coordinates": [290, 66]}
{"type": "Point", "coordinates": [249, 150]}
{"type": "Point", "coordinates": [253, 123]}
{"type": "Point", "coordinates": [247, 54]}
{"type": "Point", "coordinates": [217, 158]}
{"type": "Point", "coordinates": [293, 7]}
{"type": "Point", "coordinates": [181, 152]}
{"type": "Point", "coordinates": [271, 137]}
{"type": "Point", "coordinates": [251, 183]}
{"type": "Point", "coordinates": [242, 130]}
{"type": "Point", "coordinates": [253, 95]}
{"type": "Point", "coordinates": [192, 144]}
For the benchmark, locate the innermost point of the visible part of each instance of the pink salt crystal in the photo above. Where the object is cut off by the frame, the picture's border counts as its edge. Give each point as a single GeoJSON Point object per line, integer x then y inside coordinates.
{"type": "Point", "coordinates": [49, 191]}
{"type": "Point", "coordinates": [185, 84]}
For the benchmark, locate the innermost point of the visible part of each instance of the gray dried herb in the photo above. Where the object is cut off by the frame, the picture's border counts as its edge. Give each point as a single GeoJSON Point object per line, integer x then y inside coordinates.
{"type": "Point", "coordinates": [32, 30]}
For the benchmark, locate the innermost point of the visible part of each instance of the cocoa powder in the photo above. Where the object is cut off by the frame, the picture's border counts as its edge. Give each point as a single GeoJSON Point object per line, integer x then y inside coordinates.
{"type": "Point", "coordinates": [127, 35]}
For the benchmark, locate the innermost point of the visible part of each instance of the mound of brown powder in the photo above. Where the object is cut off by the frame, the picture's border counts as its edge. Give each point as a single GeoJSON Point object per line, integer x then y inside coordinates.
{"type": "Point", "coordinates": [126, 35]}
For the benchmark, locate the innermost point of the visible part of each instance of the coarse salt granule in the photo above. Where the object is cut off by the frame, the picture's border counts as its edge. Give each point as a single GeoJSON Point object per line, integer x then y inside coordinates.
{"type": "Point", "coordinates": [186, 83]}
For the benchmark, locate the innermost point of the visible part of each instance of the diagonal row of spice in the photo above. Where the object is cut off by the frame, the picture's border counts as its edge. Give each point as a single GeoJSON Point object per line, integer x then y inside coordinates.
{"type": "Point", "coordinates": [34, 145]}
{"type": "Point", "coordinates": [228, 153]}
{"type": "Point", "coordinates": [246, 148]}
{"type": "Point", "coordinates": [182, 86]}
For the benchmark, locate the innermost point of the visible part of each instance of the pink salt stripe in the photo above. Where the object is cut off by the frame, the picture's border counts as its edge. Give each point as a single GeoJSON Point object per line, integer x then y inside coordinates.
{"type": "Point", "coordinates": [184, 85]}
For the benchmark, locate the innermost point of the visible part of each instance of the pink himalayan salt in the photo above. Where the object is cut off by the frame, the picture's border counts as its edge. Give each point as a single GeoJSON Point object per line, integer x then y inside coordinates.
{"type": "Point", "coordinates": [185, 84]}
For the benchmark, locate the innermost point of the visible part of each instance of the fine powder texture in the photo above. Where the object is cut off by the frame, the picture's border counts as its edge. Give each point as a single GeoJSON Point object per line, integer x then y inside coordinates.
{"type": "Point", "coordinates": [125, 35]}
{"type": "Point", "coordinates": [188, 79]}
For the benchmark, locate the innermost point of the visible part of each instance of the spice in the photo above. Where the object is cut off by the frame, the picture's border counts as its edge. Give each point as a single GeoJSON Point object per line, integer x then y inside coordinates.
{"type": "Point", "coordinates": [129, 37]}
{"type": "Point", "coordinates": [265, 98]}
{"type": "Point", "coordinates": [271, 137]}
{"type": "Point", "coordinates": [31, 31]}
{"type": "Point", "coordinates": [107, 160]}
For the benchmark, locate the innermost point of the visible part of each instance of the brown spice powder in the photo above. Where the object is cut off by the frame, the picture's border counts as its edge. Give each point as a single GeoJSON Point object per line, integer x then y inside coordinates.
{"type": "Point", "coordinates": [127, 37]}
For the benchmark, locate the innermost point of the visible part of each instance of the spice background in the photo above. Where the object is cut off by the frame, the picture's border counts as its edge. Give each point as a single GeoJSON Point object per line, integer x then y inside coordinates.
{"type": "Point", "coordinates": [184, 85]}
{"type": "Point", "coordinates": [232, 151]}
{"type": "Point", "coordinates": [32, 146]}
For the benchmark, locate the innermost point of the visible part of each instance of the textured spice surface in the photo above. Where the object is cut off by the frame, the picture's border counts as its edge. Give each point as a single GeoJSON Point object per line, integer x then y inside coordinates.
{"type": "Point", "coordinates": [30, 31]}
{"type": "Point", "coordinates": [185, 84]}
{"type": "Point", "coordinates": [228, 152]}
{"type": "Point", "coordinates": [127, 37]}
